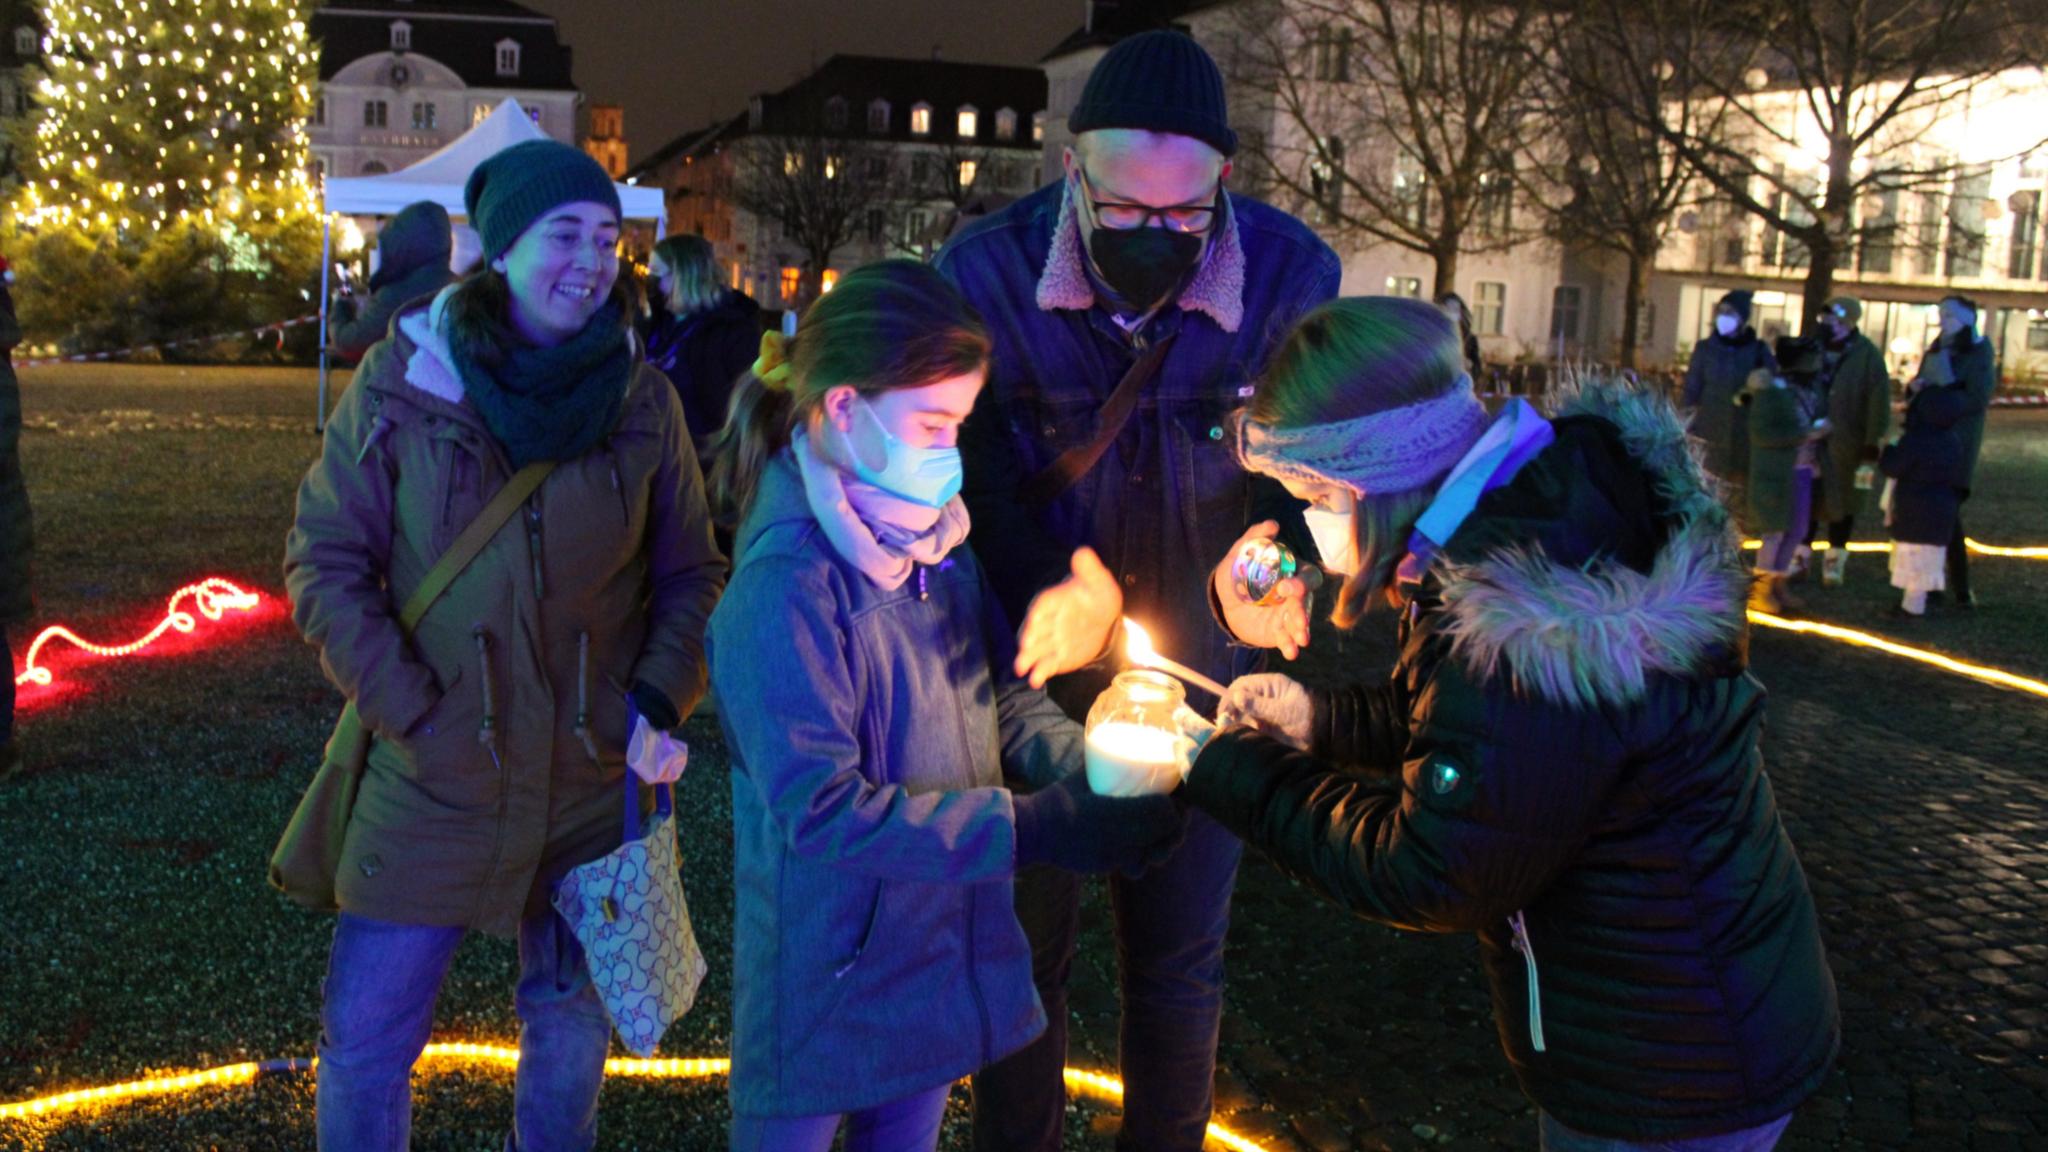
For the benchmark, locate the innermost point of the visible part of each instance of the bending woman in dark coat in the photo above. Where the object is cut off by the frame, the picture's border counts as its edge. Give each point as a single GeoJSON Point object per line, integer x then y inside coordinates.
{"type": "Point", "coordinates": [1565, 761]}
{"type": "Point", "coordinates": [412, 264]}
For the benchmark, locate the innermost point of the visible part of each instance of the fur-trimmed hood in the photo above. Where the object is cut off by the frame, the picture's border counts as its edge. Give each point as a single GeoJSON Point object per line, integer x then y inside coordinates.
{"type": "Point", "coordinates": [1591, 634]}
{"type": "Point", "coordinates": [1217, 290]}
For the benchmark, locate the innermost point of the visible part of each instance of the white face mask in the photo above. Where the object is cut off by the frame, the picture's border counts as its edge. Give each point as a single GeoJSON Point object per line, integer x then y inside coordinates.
{"type": "Point", "coordinates": [1726, 325]}
{"type": "Point", "coordinates": [1334, 538]}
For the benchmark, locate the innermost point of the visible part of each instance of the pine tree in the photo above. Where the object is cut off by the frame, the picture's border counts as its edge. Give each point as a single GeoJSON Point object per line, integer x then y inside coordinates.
{"type": "Point", "coordinates": [168, 192]}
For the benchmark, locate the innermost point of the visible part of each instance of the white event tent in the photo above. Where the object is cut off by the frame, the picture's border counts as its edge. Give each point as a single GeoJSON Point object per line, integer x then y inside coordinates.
{"type": "Point", "coordinates": [441, 178]}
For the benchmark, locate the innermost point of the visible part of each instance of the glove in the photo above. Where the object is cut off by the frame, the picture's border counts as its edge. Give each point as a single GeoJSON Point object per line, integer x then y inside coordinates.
{"type": "Point", "coordinates": [1273, 704]}
{"type": "Point", "coordinates": [654, 755]}
{"type": "Point", "coordinates": [1195, 730]}
{"type": "Point", "coordinates": [654, 705]}
{"type": "Point", "coordinates": [1068, 826]}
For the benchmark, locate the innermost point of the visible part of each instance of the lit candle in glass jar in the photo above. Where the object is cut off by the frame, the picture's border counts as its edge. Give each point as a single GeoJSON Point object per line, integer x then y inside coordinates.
{"type": "Point", "coordinates": [1133, 741]}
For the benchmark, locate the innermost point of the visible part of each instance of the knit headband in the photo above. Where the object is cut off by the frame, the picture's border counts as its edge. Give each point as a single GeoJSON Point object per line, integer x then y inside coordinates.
{"type": "Point", "coordinates": [1397, 450]}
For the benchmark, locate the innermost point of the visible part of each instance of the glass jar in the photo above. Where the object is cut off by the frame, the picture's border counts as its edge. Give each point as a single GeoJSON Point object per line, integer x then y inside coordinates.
{"type": "Point", "coordinates": [1133, 740]}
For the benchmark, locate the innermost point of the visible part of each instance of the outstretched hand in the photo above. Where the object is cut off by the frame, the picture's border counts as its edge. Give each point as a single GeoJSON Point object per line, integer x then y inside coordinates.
{"type": "Point", "coordinates": [1069, 625]}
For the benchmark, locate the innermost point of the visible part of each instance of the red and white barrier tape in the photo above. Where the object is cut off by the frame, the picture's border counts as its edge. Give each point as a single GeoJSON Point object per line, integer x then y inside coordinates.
{"type": "Point", "coordinates": [85, 357]}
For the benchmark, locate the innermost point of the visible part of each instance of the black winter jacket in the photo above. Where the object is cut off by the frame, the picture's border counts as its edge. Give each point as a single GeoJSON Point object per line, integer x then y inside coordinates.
{"type": "Point", "coordinates": [1930, 471]}
{"type": "Point", "coordinates": [1575, 740]}
{"type": "Point", "coordinates": [703, 356]}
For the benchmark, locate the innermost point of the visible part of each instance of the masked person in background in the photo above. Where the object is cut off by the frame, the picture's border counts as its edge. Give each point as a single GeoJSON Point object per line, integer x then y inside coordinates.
{"type": "Point", "coordinates": [1131, 306]}
{"type": "Point", "coordinates": [1716, 375]}
{"type": "Point", "coordinates": [1565, 761]}
{"type": "Point", "coordinates": [872, 715]}
{"type": "Point", "coordinates": [1962, 359]}
{"type": "Point", "coordinates": [1859, 407]}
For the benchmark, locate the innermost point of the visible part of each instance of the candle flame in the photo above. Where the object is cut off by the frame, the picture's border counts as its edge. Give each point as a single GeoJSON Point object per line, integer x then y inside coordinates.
{"type": "Point", "coordinates": [1138, 644]}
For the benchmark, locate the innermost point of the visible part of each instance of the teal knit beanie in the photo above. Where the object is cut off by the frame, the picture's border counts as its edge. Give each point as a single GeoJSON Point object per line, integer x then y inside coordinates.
{"type": "Point", "coordinates": [522, 183]}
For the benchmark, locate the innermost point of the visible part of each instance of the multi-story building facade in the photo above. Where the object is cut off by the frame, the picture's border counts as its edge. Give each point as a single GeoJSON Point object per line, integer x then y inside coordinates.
{"type": "Point", "coordinates": [951, 138]}
{"type": "Point", "coordinates": [401, 78]}
{"type": "Point", "coordinates": [1979, 233]}
{"type": "Point", "coordinates": [605, 138]}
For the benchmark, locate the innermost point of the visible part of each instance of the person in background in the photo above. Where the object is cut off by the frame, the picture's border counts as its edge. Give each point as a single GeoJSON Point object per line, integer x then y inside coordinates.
{"type": "Point", "coordinates": [1859, 409]}
{"type": "Point", "coordinates": [701, 334]}
{"type": "Point", "coordinates": [877, 956]}
{"type": "Point", "coordinates": [17, 531]}
{"type": "Point", "coordinates": [1454, 306]}
{"type": "Point", "coordinates": [500, 724]}
{"type": "Point", "coordinates": [1132, 306]}
{"type": "Point", "coordinates": [1785, 413]}
{"type": "Point", "coordinates": [1717, 373]}
{"type": "Point", "coordinates": [1566, 760]}
{"type": "Point", "coordinates": [1962, 358]}
{"type": "Point", "coordinates": [1929, 479]}
{"type": "Point", "coordinates": [413, 254]}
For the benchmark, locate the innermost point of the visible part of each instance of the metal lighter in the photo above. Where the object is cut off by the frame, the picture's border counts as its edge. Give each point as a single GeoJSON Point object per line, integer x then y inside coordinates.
{"type": "Point", "coordinates": [1261, 566]}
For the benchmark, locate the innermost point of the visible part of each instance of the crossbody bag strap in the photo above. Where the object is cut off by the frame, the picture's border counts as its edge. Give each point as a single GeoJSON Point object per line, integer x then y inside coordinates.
{"type": "Point", "coordinates": [472, 541]}
{"type": "Point", "coordinates": [1068, 467]}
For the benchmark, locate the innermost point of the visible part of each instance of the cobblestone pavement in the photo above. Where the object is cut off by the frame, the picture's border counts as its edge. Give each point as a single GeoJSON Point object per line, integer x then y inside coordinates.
{"type": "Point", "coordinates": [1919, 805]}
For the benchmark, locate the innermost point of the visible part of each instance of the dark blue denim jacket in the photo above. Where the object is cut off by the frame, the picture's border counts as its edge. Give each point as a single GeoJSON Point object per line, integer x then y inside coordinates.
{"type": "Point", "coordinates": [876, 948]}
{"type": "Point", "coordinates": [1169, 499]}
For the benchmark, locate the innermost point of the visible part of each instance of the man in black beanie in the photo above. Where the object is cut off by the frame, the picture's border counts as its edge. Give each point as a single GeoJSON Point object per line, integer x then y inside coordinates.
{"type": "Point", "coordinates": [1715, 376]}
{"type": "Point", "coordinates": [1132, 306]}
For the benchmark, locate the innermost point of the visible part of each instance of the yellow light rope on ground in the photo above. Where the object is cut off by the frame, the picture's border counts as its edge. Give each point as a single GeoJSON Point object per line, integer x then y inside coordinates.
{"type": "Point", "coordinates": [1107, 1089]}
{"type": "Point", "coordinates": [1977, 546]}
{"type": "Point", "coordinates": [1999, 677]}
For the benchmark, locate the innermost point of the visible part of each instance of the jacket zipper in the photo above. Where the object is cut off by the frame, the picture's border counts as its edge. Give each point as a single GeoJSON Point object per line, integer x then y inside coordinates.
{"type": "Point", "coordinates": [924, 590]}
{"type": "Point", "coordinates": [618, 486]}
{"type": "Point", "coordinates": [540, 585]}
{"type": "Point", "coordinates": [583, 697]}
{"type": "Point", "coordinates": [1528, 951]}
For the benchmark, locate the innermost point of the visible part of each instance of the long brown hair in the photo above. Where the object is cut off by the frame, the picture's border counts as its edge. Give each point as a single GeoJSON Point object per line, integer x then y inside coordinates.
{"type": "Point", "coordinates": [693, 274]}
{"type": "Point", "coordinates": [887, 325]}
{"type": "Point", "coordinates": [1349, 358]}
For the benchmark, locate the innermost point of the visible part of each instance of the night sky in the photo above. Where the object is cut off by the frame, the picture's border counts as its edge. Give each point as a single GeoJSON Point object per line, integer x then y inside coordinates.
{"type": "Point", "coordinates": [677, 64]}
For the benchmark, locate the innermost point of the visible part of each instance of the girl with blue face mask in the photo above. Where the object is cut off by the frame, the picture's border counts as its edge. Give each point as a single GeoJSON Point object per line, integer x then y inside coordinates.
{"type": "Point", "coordinates": [865, 676]}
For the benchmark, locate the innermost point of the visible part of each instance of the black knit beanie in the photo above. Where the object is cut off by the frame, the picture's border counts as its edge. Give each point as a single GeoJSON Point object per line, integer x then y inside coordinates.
{"type": "Point", "coordinates": [1160, 81]}
{"type": "Point", "coordinates": [1738, 302]}
{"type": "Point", "coordinates": [520, 184]}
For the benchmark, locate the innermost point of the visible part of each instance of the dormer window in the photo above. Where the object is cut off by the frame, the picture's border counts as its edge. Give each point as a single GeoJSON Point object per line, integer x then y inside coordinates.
{"type": "Point", "coordinates": [401, 36]}
{"type": "Point", "coordinates": [24, 41]}
{"type": "Point", "coordinates": [1038, 127]}
{"type": "Point", "coordinates": [508, 57]}
{"type": "Point", "coordinates": [920, 119]}
{"type": "Point", "coordinates": [970, 121]}
{"type": "Point", "coordinates": [1006, 124]}
{"type": "Point", "coordinates": [878, 118]}
{"type": "Point", "coordinates": [835, 114]}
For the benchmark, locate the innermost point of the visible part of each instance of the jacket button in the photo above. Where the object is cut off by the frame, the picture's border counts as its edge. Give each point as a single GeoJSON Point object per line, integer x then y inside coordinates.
{"type": "Point", "coordinates": [1130, 579]}
{"type": "Point", "coordinates": [1216, 432]}
{"type": "Point", "coordinates": [1049, 428]}
{"type": "Point", "coordinates": [372, 864]}
{"type": "Point", "coordinates": [1138, 478]}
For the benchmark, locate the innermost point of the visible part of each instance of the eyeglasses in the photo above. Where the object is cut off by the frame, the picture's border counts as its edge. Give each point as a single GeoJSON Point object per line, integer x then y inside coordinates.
{"type": "Point", "coordinates": [1118, 216]}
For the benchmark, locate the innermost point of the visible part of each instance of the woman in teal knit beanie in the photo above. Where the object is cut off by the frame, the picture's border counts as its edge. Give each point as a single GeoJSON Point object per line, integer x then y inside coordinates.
{"type": "Point", "coordinates": [501, 721]}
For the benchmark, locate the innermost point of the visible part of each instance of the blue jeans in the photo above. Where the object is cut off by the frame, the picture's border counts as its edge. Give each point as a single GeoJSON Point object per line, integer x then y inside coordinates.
{"type": "Point", "coordinates": [378, 1009]}
{"type": "Point", "coordinates": [1170, 925]}
{"type": "Point", "coordinates": [1558, 1138]}
{"type": "Point", "coordinates": [908, 1124]}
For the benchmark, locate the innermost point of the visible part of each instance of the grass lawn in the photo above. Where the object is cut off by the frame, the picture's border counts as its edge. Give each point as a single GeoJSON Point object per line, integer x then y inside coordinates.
{"type": "Point", "coordinates": [139, 933]}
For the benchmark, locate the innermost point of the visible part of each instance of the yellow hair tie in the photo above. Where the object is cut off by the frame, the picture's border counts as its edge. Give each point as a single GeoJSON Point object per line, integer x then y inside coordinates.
{"type": "Point", "coordinates": [771, 367]}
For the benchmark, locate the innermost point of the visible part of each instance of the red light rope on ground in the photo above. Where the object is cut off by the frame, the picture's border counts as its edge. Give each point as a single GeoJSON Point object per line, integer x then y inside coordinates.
{"type": "Point", "coordinates": [1107, 1089]}
{"type": "Point", "coordinates": [212, 598]}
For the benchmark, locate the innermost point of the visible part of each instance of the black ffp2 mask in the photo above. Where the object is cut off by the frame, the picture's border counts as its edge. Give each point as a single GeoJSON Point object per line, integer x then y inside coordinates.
{"type": "Point", "coordinates": [1143, 265]}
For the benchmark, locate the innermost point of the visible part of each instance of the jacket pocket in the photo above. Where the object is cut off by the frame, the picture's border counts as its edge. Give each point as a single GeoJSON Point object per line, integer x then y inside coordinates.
{"type": "Point", "coordinates": [815, 995]}
{"type": "Point", "coordinates": [442, 756]}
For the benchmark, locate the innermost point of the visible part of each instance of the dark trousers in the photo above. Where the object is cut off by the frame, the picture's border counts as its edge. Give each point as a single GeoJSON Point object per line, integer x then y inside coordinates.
{"type": "Point", "coordinates": [1839, 531]}
{"type": "Point", "coordinates": [1170, 925]}
{"type": "Point", "coordinates": [1958, 564]}
{"type": "Point", "coordinates": [6, 690]}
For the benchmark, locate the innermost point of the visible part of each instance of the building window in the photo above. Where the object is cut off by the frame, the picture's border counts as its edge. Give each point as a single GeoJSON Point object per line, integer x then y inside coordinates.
{"type": "Point", "coordinates": [969, 124]}
{"type": "Point", "coordinates": [1966, 222]}
{"type": "Point", "coordinates": [1927, 237]}
{"type": "Point", "coordinates": [877, 168]}
{"type": "Point", "coordinates": [1496, 202]}
{"type": "Point", "coordinates": [878, 118]}
{"type": "Point", "coordinates": [968, 168]}
{"type": "Point", "coordinates": [878, 225]}
{"type": "Point", "coordinates": [2037, 334]}
{"type": "Point", "coordinates": [1489, 306]}
{"type": "Point", "coordinates": [792, 282]}
{"type": "Point", "coordinates": [1880, 232]}
{"type": "Point", "coordinates": [401, 36]}
{"type": "Point", "coordinates": [24, 41]}
{"type": "Point", "coordinates": [915, 224]}
{"type": "Point", "coordinates": [478, 113]}
{"type": "Point", "coordinates": [21, 101]}
{"type": "Point", "coordinates": [319, 169]}
{"type": "Point", "coordinates": [320, 111]}
{"type": "Point", "coordinates": [1405, 286]}
{"type": "Point", "coordinates": [835, 114]}
{"type": "Point", "coordinates": [1038, 127]}
{"type": "Point", "coordinates": [1566, 300]}
{"type": "Point", "coordinates": [1006, 124]}
{"type": "Point", "coordinates": [1411, 192]}
{"type": "Point", "coordinates": [2026, 233]}
{"type": "Point", "coordinates": [375, 114]}
{"type": "Point", "coordinates": [920, 119]}
{"type": "Point", "coordinates": [508, 57]}
{"type": "Point", "coordinates": [1326, 177]}
{"type": "Point", "coordinates": [830, 281]}
{"type": "Point", "coordinates": [921, 169]}
{"type": "Point", "coordinates": [375, 168]}
{"type": "Point", "coordinates": [424, 117]}
{"type": "Point", "coordinates": [1332, 54]}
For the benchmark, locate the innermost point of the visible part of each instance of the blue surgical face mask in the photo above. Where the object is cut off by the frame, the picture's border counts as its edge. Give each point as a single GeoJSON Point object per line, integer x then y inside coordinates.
{"type": "Point", "coordinates": [927, 476]}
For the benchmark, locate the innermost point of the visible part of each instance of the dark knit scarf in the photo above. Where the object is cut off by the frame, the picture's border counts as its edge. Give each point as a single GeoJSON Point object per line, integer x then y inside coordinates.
{"type": "Point", "coordinates": [548, 403]}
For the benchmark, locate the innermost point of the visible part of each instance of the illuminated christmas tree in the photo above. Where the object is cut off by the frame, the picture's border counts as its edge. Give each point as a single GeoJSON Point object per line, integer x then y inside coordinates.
{"type": "Point", "coordinates": [168, 191]}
